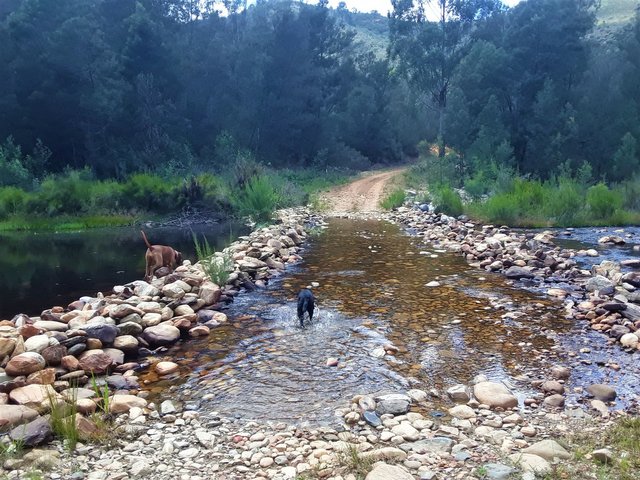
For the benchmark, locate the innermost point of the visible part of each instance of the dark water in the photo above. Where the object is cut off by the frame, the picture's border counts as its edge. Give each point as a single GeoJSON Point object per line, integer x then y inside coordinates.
{"type": "Point", "coordinates": [371, 293]}
{"type": "Point", "coordinates": [40, 270]}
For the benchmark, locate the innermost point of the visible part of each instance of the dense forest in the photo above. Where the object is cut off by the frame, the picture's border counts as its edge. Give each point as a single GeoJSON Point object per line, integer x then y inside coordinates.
{"type": "Point", "coordinates": [181, 87]}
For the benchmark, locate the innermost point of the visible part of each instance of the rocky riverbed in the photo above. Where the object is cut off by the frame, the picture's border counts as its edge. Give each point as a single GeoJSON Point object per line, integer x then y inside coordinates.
{"type": "Point", "coordinates": [485, 433]}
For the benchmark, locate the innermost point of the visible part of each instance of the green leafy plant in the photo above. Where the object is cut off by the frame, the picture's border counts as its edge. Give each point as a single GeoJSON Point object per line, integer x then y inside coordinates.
{"type": "Point", "coordinates": [258, 199]}
{"type": "Point", "coordinates": [394, 199]}
{"type": "Point", "coordinates": [62, 418]}
{"type": "Point", "coordinates": [354, 462]}
{"type": "Point", "coordinates": [216, 266]}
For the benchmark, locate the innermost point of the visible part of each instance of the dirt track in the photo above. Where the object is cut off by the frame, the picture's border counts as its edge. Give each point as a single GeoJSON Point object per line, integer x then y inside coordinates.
{"type": "Point", "coordinates": [361, 196]}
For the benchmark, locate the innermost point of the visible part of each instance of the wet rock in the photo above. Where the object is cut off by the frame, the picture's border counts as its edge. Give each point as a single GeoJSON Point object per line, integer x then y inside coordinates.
{"type": "Point", "coordinates": [629, 340]}
{"type": "Point", "coordinates": [166, 368]}
{"type": "Point", "coordinates": [518, 273]}
{"type": "Point", "coordinates": [556, 400]}
{"type": "Point", "coordinates": [600, 284]}
{"type": "Point", "coordinates": [332, 362]}
{"type": "Point", "coordinates": [33, 433]}
{"type": "Point", "coordinates": [25, 364]}
{"type": "Point", "coordinates": [459, 393]}
{"type": "Point", "coordinates": [602, 392]}
{"type": "Point", "coordinates": [462, 412]}
{"type": "Point", "coordinates": [199, 331]}
{"type": "Point", "coordinates": [560, 373]}
{"type": "Point", "coordinates": [131, 328]}
{"type": "Point", "coordinates": [371, 418]}
{"type": "Point", "coordinates": [394, 404]}
{"type": "Point", "coordinates": [494, 395]}
{"type": "Point", "coordinates": [552, 386]}
{"type": "Point", "coordinates": [126, 343]}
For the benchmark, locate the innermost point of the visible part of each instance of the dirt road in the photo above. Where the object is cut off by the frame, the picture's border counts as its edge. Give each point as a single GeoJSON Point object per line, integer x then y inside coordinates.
{"type": "Point", "coordinates": [362, 195]}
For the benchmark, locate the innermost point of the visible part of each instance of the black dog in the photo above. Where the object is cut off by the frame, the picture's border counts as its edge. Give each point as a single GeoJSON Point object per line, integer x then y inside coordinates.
{"type": "Point", "coordinates": [306, 303]}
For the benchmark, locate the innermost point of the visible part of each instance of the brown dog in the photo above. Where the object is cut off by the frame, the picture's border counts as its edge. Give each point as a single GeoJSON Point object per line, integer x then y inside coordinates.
{"type": "Point", "coordinates": [159, 256]}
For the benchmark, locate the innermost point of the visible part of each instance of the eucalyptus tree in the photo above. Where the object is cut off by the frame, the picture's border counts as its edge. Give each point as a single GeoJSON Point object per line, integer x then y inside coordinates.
{"type": "Point", "coordinates": [428, 39]}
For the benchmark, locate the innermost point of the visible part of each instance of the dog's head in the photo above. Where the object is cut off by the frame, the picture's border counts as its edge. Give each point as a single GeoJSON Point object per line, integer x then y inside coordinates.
{"type": "Point", "coordinates": [177, 256]}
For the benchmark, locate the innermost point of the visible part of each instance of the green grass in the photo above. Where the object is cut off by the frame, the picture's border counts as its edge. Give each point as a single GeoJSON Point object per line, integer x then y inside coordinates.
{"type": "Point", "coordinates": [354, 463]}
{"type": "Point", "coordinates": [258, 199]}
{"type": "Point", "coordinates": [394, 199]}
{"type": "Point", "coordinates": [216, 267]}
{"type": "Point", "coordinates": [63, 420]}
{"type": "Point", "coordinates": [65, 222]}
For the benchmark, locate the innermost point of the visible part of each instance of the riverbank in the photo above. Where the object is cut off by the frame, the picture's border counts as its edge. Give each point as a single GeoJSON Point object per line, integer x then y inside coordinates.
{"type": "Point", "coordinates": [162, 439]}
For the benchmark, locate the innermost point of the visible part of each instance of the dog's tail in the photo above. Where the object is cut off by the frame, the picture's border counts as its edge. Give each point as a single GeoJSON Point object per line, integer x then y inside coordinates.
{"type": "Point", "coordinates": [145, 239]}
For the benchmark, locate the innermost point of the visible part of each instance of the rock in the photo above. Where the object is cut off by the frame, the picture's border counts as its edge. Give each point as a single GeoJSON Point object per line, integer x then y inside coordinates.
{"type": "Point", "coordinates": [629, 340]}
{"type": "Point", "coordinates": [53, 355]}
{"type": "Point", "coordinates": [531, 463]}
{"type": "Point", "coordinates": [600, 407]}
{"type": "Point", "coordinates": [127, 343]}
{"type": "Point", "coordinates": [162, 334]}
{"type": "Point", "coordinates": [123, 403]}
{"type": "Point", "coordinates": [122, 310]}
{"type": "Point", "coordinates": [11, 415]}
{"type": "Point", "coordinates": [210, 293]}
{"type": "Point", "coordinates": [417, 396]}
{"type": "Point", "coordinates": [458, 393]}
{"type": "Point", "coordinates": [25, 364]}
{"type": "Point", "coordinates": [33, 433]}
{"type": "Point", "coordinates": [600, 284]}
{"type": "Point", "coordinates": [386, 453]}
{"type": "Point", "coordinates": [394, 404]}
{"type": "Point", "coordinates": [556, 400]}
{"type": "Point", "coordinates": [38, 397]}
{"type": "Point", "coordinates": [332, 362]}
{"type": "Point", "coordinates": [70, 363]}
{"type": "Point", "coordinates": [406, 431]}
{"type": "Point", "coordinates": [199, 331]}
{"type": "Point", "coordinates": [371, 418]}
{"type": "Point", "coordinates": [552, 386]}
{"type": "Point", "coordinates": [433, 283]}
{"type": "Point", "coordinates": [518, 273]}
{"type": "Point", "coordinates": [42, 377]}
{"type": "Point", "coordinates": [37, 343]}
{"type": "Point", "coordinates": [383, 471]}
{"type": "Point", "coordinates": [602, 392]}
{"type": "Point", "coordinates": [603, 455]}
{"type": "Point", "coordinates": [132, 328]}
{"type": "Point", "coordinates": [167, 407]}
{"type": "Point", "coordinates": [166, 368]}
{"type": "Point", "coordinates": [102, 331]}
{"type": "Point", "coordinates": [494, 395]}
{"type": "Point", "coordinates": [548, 449]}
{"type": "Point", "coordinates": [497, 471]}
{"type": "Point", "coordinates": [560, 373]}
{"type": "Point", "coordinates": [95, 362]}
{"type": "Point", "coordinates": [462, 412]}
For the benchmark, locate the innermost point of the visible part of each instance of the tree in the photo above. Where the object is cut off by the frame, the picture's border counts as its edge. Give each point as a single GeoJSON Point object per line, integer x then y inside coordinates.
{"type": "Point", "coordinates": [428, 52]}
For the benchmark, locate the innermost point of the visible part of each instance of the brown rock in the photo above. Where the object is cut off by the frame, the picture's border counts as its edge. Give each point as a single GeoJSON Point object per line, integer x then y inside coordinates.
{"type": "Point", "coordinates": [6, 347]}
{"type": "Point", "coordinates": [494, 395]}
{"type": "Point", "coordinates": [166, 368]}
{"type": "Point", "coordinates": [12, 415]}
{"type": "Point", "coordinates": [199, 331]}
{"type": "Point", "coordinates": [42, 377]}
{"type": "Point", "coordinates": [95, 361]}
{"type": "Point", "coordinates": [53, 355]}
{"type": "Point", "coordinates": [123, 403]}
{"type": "Point", "coordinates": [25, 364]}
{"type": "Point", "coordinates": [38, 397]}
{"type": "Point", "coordinates": [70, 363]}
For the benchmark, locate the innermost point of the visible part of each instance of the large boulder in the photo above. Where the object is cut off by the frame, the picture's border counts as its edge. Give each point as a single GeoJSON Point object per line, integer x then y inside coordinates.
{"type": "Point", "coordinates": [104, 332]}
{"type": "Point", "coordinates": [25, 364]}
{"type": "Point", "coordinates": [548, 449]}
{"type": "Point", "coordinates": [162, 334]}
{"type": "Point", "coordinates": [495, 395]}
{"type": "Point", "coordinates": [38, 397]}
{"type": "Point", "coordinates": [517, 273]}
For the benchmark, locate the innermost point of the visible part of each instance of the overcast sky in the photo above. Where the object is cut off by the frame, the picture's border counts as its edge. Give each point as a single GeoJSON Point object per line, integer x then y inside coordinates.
{"type": "Point", "coordinates": [382, 6]}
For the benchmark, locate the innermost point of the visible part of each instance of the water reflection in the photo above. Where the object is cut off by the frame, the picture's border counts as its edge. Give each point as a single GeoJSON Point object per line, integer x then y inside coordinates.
{"type": "Point", "coordinates": [45, 268]}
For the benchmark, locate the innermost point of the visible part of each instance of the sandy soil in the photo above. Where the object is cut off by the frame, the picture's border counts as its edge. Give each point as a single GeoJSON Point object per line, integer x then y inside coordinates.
{"type": "Point", "coordinates": [362, 195]}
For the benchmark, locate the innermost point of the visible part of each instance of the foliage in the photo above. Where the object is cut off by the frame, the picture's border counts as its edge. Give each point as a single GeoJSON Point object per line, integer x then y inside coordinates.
{"type": "Point", "coordinates": [62, 417]}
{"type": "Point", "coordinates": [602, 201]}
{"type": "Point", "coordinates": [394, 199]}
{"type": "Point", "coordinates": [215, 266]}
{"type": "Point", "coordinates": [448, 201]}
{"type": "Point", "coordinates": [355, 463]}
{"type": "Point", "coordinates": [258, 199]}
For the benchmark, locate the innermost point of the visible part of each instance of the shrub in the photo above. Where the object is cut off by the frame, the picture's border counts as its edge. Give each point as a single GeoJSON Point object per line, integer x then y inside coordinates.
{"type": "Point", "coordinates": [68, 193]}
{"type": "Point", "coordinates": [448, 201]}
{"type": "Point", "coordinates": [12, 201]}
{"type": "Point", "coordinates": [565, 203]}
{"type": "Point", "coordinates": [602, 202]}
{"type": "Point", "coordinates": [501, 208]}
{"type": "Point", "coordinates": [258, 199]}
{"type": "Point", "coordinates": [216, 266]}
{"type": "Point", "coordinates": [150, 192]}
{"type": "Point", "coordinates": [393, 200]}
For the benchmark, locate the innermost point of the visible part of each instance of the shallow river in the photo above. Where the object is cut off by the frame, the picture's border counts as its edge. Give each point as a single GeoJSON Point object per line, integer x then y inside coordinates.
{"type": "Point", "coordinates": [371, 293]}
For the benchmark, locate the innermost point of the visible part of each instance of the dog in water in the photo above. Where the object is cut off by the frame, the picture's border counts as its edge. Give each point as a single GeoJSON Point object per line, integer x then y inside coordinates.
{"type": "Point", "coordinates": [306, 303]}
{"type": "Point", "coordinates": [159, 256]}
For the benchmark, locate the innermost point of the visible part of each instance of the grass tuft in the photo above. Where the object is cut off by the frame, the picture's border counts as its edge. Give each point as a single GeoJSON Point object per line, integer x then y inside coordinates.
{"type": "Point", "coordinates": [394, 199]}
{"type": "Point", "coordinates": [215, 266]}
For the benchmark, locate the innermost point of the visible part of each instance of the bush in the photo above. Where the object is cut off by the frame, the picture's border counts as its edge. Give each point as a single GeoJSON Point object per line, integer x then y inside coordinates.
{"type": "Point", "coordinates": [501, 209]}
{"type": "Point", "coordinates": [393, 200]}
{"type": "Point", "coordinates": [448, 201]}
{"type": "Point", "coordinates": [12, 201]}
{"type": "Point", "coordinates": [216, 266]}
{"type": "Point", "coordinates": [68, 193]}
{"type": "Point", "coordinates": [151, 193]}
{"type": "Point", "coordinates": [565, 203]}
{"type": "Point", "coordinates": [602, 202]}
{"type": "Point", "coordinates": [258, 200]}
